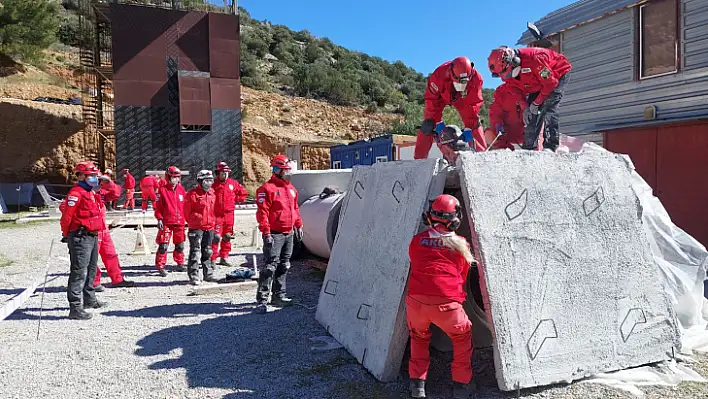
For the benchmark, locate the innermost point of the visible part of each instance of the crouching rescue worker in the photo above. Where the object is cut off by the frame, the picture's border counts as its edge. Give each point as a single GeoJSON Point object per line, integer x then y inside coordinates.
{"type": "Point", "coordinates": [440, 262]}
{"type": "Point", "coordinates": [506, 117]}
{"type": "Point", "coordinates": [279, 221]}
{"type": "Point", "coordinates": [169, 212]}
{"type": "Point", "coordinates": [199, 210]}
{"type": "Point", "coordinates": [228, 193]}
{"type": "Point", "coordinates": [81, 222]}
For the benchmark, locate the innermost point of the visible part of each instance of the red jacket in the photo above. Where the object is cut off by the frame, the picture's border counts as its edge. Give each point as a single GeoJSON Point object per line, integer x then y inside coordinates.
{"type": "Point", "coordinates": [129, 182]}
{"type": "Point", "coordinates": [440, 93]}
{"type": "Point", "coordinates": [436, 270]}
{"type": "Point", "coordinates": [169, 206]}
{"type": "Point", "coordinates": [110, 191]}
{"type": "Point", "coordinates": [228, 193]}
{"type": "Point", "coordinates": [278, 210]}
{"type": "Point", "coordinates": [507, 110]}
{"type": "Point", "coordinates": [541, 68]}
{"type": "Point", "coordinates": [199, 209]}
{"type": "Point", "coordinates": [82, 207]}
{"type": "Point", "coordinates": [149, 184]}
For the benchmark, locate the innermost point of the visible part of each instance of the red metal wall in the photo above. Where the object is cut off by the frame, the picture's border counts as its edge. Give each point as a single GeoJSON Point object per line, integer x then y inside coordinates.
{"type": "Point", "coordinates": [673, 159]}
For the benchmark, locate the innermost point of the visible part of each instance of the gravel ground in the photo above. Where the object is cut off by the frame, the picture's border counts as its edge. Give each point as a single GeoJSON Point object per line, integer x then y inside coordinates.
{"type": "Point", "coordinates": [154, 341]}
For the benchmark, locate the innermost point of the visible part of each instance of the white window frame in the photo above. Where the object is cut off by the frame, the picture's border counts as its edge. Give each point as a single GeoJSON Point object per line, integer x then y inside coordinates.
{"type": "Point", "coordinates": [641, 48]}
{"type": "Point", "coordinates": [381, 158]}
{"type": "Point", "coordinates": [336, 164]}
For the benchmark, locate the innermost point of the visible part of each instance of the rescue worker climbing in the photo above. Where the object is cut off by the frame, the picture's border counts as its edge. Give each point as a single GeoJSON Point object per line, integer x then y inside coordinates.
{"type": "Point", "coordinates": [279, 221]}
{"type": "Point", "coordinates": [129, 187]}
{"type": "Point", "coordinates": [169, 212]}
{"type": "Point", "coordinates": [148, 188]}
{"type": "Point", "coordinates": [455, 83]}
{"type": "Point", "coordinates": [228, 193]}
{"type": "Point", "coordinates": [541, 73]}
{"type": "Point", "coordinates": [81, 222]}
{"type": "Point", "coordinates": [199, 210]}
{"type": "Point", "coordinates": [506, 117]}
{"type": "Point", "coordinates": [440, 263]}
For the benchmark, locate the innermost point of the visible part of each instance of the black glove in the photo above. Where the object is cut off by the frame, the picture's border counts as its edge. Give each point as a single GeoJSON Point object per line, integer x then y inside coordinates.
{"type": "Point", "coordinates": [268, 239]}
{"type": "Point", "coordinates": [64, 240]}
{"type": "Point", "coordinates": [160, 225]}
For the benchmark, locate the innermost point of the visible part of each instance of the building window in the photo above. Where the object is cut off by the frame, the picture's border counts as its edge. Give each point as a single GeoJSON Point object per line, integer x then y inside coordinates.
{"type": "Point", "coordinates": [194, 128]}
{"type": "Point", "coordinates": [658, 38]}
{"type": "Point", "coordinates": [382, 158]}
{"type": "Point", "coordinates": [336, 164]}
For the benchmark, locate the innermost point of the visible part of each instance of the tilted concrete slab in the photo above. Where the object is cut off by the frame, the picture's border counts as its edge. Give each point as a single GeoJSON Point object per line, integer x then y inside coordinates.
{"type": "Point", "coordinates": [568, 274]}
{"type": "Point", "coordinates": [361, 301]}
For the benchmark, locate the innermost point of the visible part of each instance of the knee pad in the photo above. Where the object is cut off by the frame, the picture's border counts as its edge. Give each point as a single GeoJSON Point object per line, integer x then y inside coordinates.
{"type": "Point", "coordinates": [216, 239]}
{"type": "Point", "coordinates": [162, 248]}
{"type": "Point", "coordinates": [227, 237]}
{"type": "Point", "coordinates": [179, 247]}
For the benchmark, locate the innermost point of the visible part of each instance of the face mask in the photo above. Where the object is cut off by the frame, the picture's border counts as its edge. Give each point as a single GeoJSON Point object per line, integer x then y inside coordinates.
{"type": "Point", "coordinates": [460, 86]}
{"type": "Point", "coordinates": [223, 176]}
{"type": "Point", "coordinates": [206, 184]}
{"type": "Point", "coordinates": [92, 181]}
{"type": "Point", "coordinates": [174, 181]}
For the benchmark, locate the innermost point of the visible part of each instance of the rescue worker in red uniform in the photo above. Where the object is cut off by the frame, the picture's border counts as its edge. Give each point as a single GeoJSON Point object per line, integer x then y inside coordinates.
{"type": "Point", "coordinates": [109, 191]}
{"type": "Point", "coordinates": [440, 263]}
{"type": "Point", "coordinates": [506, 117]}
{"type": "Point", "coordinates": [228, 193]}
{"type": "Point", "coordinates": [199, 210]}
{"type": "Point", "coordinates": [169, 212]}
{"type": "Point", "coordinates": [543, 74]}
{"type": "Point", "coordinates": [81, 222]}
{"type": "Point", "coordinates": [458, 84]}
{"type": "Point", "coordinates": [279, 221]}
{"type": "Point", "coordinates": [129, 187]}
{"type": "Point", "coordinates": [148, 188]}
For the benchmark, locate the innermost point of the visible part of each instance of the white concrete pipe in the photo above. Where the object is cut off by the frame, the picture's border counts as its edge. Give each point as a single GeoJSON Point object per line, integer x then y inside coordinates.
{"type": "Point", "coordinates": [320, 218]}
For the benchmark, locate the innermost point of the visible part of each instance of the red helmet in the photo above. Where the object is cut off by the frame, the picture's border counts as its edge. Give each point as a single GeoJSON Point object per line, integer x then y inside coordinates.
{"type": "Point", "coordinates": [446, 210]}
{"type": "Point", "coordinates": [173, 171]}
{"type": "Point", "coordinates": [222, 166]}
{"type": "Point", "coordinates": [86, 168]}
{"type": "Point", "coordinates": [280, 161]}
{"type": "Point", "coordinates": [500, 61]}
{"type": "Point", "coordinates": [461, 69]}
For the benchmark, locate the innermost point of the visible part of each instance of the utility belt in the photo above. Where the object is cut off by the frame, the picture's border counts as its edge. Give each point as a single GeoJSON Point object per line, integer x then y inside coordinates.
{"type": "Point", "coordinates": [82, 231]}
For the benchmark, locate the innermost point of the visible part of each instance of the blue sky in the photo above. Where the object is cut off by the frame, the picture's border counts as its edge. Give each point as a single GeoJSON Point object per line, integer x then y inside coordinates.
{"type": "Point", "coordinates": [422, 34]}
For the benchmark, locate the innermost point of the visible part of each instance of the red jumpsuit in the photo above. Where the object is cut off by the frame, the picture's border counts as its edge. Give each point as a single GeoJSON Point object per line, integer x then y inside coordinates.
{"type": "Point", "coordinates": [107, 252]}
{"type": "Point", "coordinates": [129, 186]}
{"type": "Point", "coordinates": [278, 210]}
{"type": "Point", "coordinates": [436, 291]}
{"type": "Point", "coordinates": [169, 208]}
{"type": "Point", "coordinates": [440, 93]}
{"type": "Point", "coordinates": [110, 192]}
{"type": "Point", "coordinates": [228, 193]}
{"type": "Point", "coordinates": [148, 186]}
{"type": "Point", "coordinates": [507, 111]}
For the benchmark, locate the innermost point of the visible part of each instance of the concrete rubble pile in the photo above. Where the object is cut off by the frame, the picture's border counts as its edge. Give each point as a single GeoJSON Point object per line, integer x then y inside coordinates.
{"type": "Point", "coordinates": [570, 285]}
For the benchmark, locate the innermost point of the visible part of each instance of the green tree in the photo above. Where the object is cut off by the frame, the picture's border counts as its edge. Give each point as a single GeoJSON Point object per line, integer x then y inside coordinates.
{"type": "Point", "coordinates": [27, 27]}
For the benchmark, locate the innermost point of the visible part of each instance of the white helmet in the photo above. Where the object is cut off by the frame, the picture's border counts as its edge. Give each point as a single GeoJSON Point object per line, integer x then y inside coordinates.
{"type": "Point", "coordinates": [205, 174]}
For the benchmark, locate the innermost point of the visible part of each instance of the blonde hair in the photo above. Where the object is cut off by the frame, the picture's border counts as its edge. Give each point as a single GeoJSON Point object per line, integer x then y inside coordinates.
{"type": "Point", "coordinates": [459, 244]}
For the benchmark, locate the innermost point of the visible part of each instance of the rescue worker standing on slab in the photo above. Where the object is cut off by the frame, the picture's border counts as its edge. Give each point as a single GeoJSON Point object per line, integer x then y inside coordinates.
{"type": "Point", "coordinates": [543, 74]}
{"type": "Point", "coordinates": [458, 84]}
{"type": "Point", "coordinates": [228, 193]}
{"type": "Point", "coordinates": [148, 187]}
{"type": "Point", "coordinates": [170, 215]}
{"type": "Point", "coordinates": [81, 222]}
{"type": "Point", "coordinates": [129, 186]}
{"type": "Point", "coordinates": [199, 210]}
{"type": "Point", "coordinates": [440, 263]}
{"type": "Point", "coordinates": [279, 221]}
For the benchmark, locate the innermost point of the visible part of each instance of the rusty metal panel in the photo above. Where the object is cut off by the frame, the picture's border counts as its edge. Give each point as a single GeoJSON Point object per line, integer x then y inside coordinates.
{"type": "Point", "coordinates": [140, 93]}
{"type": "Point", "coordinates": [193, 42]}
{"type": "Point", "coordinates": [194, 101]}
{"type": "Point", "coordinates": [640, 145]}
{"type": "Point", "coordinates": [224, 47]}
{"type": "Point", "coordinates": [148, 68]}
{"type": "Point", "coordinates": [682, 162]}
{"type": "Point", "coordinates": [225, 93]}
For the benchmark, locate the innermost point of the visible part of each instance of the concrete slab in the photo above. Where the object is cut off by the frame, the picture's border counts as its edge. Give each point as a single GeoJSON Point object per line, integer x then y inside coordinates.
{"type": "Point", "coordinates": [312, 182]}
{"type": "Point", "coordinates": [361, 301]}
{"type": "Point", "coordinates": [567, 272]}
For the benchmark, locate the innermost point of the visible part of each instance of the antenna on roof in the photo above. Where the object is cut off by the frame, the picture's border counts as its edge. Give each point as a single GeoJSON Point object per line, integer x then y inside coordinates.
{"type": "Point", "coordinates": [534, 30]}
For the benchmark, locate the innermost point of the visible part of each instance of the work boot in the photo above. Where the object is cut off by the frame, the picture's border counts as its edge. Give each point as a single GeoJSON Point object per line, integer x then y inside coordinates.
{"type": "Point", "coordinates": [123, 284]}
{"type": "Point", "coordinates": [462, 391]}
{"type": "Point", "coordinates": [95, 305]}
{"type": "Point", "coordinates": [211, 279]}
{"type": "Point", "coordinates": [281, 302]}
{"type": "Point", "coordinates": [417, 387]}
{"type": "Point", "coordinates": [162, 272]}
{"type": "Point", "coordinates": [99, 288]}
{"type": "Point", "coordinates": [79, 314]}
{"type": "Point", "coordinates": [194, 281]}
{"type": "Point", "coordinates": [262, 308]}
{"type": "Point", "coordinates": [181, 268]}
{"type": "Point", "coordinates": [224, 262]}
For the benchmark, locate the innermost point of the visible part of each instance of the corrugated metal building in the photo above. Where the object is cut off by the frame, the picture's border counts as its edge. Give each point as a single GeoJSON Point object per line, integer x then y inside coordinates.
{"type": "Point", "coordinates": [384, 148]}
{"type": "Point", "coordinates": [639, 86]}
